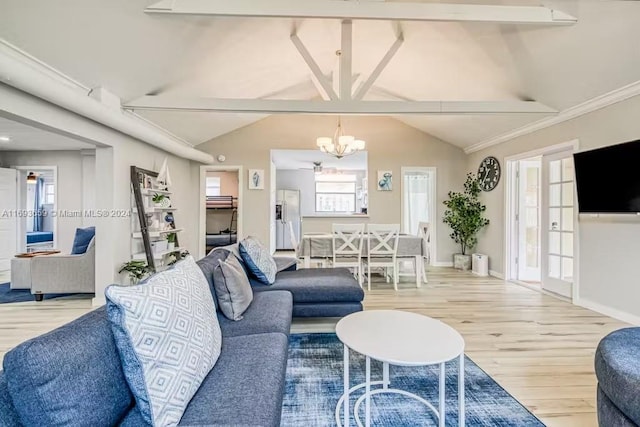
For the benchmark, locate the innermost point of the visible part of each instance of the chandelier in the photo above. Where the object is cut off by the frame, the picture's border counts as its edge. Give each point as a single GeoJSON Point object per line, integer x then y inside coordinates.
{"type": "Point", "coordinates": [340, 145]}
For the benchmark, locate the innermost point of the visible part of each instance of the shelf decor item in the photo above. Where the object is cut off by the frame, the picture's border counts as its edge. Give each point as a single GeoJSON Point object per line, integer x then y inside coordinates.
{"type": "Point", "coordinates": [465, 217]}
{"type": "Point", "coordinates": [136, 269]}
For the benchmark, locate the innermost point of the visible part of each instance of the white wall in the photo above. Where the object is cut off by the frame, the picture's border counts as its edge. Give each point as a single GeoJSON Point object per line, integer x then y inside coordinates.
{"type": "Point", "coordinates": [390, 145]}
{"type": "Point", "coordinates": [70, 186]}
{"type": "Point", "coordinates": [609, 247]}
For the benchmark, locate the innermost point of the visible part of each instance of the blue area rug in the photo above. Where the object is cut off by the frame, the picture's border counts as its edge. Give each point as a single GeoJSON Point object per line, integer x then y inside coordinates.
{"type": "Point", "coordinates": [315, 383]}
{"type": "Point", "coordinates": [8, 295]}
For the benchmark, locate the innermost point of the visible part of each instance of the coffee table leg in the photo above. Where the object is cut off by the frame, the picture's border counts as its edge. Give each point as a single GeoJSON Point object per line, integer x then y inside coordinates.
{"type": "Point", "coordinates": [345, 359]}
{"type": "Point", "coordinates": [461, 416]}
{"type": "Point", "coordinates": [367, 419]}
{"type": "Point", "coordinates": [385, 375]}
{"type": "Point", "coordinates": [441, 396]}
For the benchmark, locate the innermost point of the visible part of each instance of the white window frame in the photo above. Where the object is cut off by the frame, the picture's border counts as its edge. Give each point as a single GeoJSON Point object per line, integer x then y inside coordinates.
{"type": "Point", "coordinates": [212, 186]}
{"type": "Point", "coordinates": [348, 179]}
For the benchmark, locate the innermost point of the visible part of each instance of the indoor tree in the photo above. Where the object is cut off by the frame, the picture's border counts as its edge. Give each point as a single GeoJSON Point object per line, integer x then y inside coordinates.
{"type": "Point", "coordinates": [464, 214]}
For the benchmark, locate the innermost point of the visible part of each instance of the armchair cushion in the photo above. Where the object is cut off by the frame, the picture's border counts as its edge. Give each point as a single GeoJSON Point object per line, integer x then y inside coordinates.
{"type": "Point", "coordinates": [82, 240]}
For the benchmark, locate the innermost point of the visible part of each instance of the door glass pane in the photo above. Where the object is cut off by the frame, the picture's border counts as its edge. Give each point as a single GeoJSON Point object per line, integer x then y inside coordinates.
{"type": "Point", "coordinates": [555, 173]}
{"type": "Point", "coordinates": [532, 247]}
{"type": "Point", "coordinates": [567, 269]}
{"type": "Point", "coordinates": [554, 219]}
{"type": "Point", "coordinates": [567, 219]}
{"type": "Point", "coordinates": [567, 194]}
{"type": "Point", "coordinates": [554, 266]}
{"type": "Point", "coordinates": [554, 242]}
{"type": "Point", "coordinates": [567, 244]}
{"type": "Point", "coordinates": [554, 194]}
{"type": "Point", "coordinates": [567, 169]}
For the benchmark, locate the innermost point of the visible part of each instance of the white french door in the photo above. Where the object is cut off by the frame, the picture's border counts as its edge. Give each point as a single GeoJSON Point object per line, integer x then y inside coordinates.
{"type": "Point", "coordinates": [528, 219]}
{"type": "Point", "coordinates": [558, 223]}
{"type": "Point", "coordinates": [8, 221]}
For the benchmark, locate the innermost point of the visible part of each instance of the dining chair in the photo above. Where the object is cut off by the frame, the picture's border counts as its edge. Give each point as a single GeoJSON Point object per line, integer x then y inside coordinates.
{"type": "Point", "coordinates": [347, 247]}
{"type": "Point", "coordinates": [424, 231]}
{"type": "Point", "coordinates": [382, 250]}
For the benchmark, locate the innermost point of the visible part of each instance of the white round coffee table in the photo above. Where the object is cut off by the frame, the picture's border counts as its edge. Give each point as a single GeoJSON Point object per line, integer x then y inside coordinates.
{"type": "Point", "coordinates": [403, 339]}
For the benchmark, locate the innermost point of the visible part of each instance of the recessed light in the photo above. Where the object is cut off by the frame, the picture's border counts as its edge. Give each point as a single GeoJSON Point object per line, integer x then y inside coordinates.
{"type": "Point", "coordinates": [4, 139]}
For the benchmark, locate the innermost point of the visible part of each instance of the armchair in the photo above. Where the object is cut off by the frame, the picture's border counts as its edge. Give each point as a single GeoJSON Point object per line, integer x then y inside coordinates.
{"type": "Point", "coordinates": [59, 274]}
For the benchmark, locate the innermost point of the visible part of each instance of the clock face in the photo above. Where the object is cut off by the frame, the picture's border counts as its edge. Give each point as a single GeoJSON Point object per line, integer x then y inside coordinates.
{"type": "Point", "coordinates": [489, 173]}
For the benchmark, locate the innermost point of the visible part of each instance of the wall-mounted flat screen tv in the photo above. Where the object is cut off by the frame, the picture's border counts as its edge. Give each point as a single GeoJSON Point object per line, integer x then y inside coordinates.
{"type": "Point", "coordinates": [608, 179]}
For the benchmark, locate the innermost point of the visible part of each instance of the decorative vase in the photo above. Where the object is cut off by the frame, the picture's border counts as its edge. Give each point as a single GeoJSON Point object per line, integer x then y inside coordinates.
{"type": "Point", "coordinates": [462, 262]}
{"type": "Point", "coordinates": [165, 203]}
{"type": "Point", "coordinates": [171, 246]}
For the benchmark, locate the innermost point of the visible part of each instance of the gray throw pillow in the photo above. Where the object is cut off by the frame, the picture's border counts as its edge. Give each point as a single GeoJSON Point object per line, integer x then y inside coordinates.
{"type": "Point", "coordinates": [232, 287]}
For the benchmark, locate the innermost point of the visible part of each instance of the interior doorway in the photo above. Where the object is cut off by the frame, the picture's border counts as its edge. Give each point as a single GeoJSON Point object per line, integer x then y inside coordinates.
{"type": "Point", "coordinates": [541, 220]}
{"type": "Point", "coordinates": [419, 202]}
{"type": "Point", "coordinates": [220, 207]}
{"type": "Point", "coordinates": [38, 200]}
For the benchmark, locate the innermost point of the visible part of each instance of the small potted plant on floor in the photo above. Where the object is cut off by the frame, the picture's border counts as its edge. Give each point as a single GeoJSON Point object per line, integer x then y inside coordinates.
{"type": "Point", "coordinates": [136, 269]}
{"type": "Point", "coordinates": [464, 215]}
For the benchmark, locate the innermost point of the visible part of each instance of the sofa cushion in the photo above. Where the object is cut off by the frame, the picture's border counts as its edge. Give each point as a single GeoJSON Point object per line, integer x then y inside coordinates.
{"type": "Point", "coordinates": [269, 312]}
{"type": "Point", "coordinates": [618, 370]}
{"type": "Point", "coordinates": [286, 263]}
{"type": "Point", "coordinates": [8, 415]}
{"type": "Point", "coordinates": [82, 239]}
{"type": "Point", "coordinates": [609, 414]}
{"type": "Point", "coordinates": [45, 374]}
{"type": "Point", "coordinates": [325, 309]}
{"type": "Point", "coordinates": [251, 374]}
{"type": "Point", "coordinates": [168, 338]}
{"type": "Point", "coordinates": [232, 287]}
{"type": "Point", "coordinates": [258, 260]}
{"type": "Point", "coordinates": [321, 285]}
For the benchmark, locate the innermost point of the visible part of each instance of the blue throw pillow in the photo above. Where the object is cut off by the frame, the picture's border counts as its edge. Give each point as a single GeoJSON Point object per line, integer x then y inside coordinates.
{"type": "Point", "coordinates": [82, 240]}
{"type": "Point", "coordinates": [168, 337]}
{"type": "Point", "coordinates": [258, 260]}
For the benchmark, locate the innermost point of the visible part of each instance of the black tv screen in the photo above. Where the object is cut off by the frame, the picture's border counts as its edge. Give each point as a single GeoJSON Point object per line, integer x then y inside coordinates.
{"type": "Point", "coordinates": [608, 179]}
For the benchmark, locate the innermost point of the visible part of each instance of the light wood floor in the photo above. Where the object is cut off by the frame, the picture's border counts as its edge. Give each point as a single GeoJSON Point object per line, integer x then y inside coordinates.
{"type": "Point", "coordinates": [540, 349]}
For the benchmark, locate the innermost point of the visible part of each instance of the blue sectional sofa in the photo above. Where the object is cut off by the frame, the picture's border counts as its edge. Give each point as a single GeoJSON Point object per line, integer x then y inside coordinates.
{"type": "Point", "coordinates": [617, 364]}
{"type": "Point", "coordinates": [73, 375]}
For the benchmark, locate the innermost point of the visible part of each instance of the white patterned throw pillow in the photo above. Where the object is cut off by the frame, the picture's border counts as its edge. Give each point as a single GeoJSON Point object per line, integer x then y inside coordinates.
{"type": "Point", "coordinates": [168, 338]}
{"type": "Point", "coordinates": [258, 260]}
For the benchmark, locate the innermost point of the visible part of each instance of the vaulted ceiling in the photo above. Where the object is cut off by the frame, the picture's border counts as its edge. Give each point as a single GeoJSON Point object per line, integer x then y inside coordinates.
{"type": "Point", "coordinates": [114, 44]}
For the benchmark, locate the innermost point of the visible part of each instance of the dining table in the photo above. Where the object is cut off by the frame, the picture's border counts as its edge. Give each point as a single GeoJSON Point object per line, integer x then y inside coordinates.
{"type": "Point", "coordinates": [320, 246]}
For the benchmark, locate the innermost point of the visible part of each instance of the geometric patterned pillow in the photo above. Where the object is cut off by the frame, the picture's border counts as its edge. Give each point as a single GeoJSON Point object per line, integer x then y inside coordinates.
{"type": "Point", "coordinates": [258, 260]}
{"type": "Point", "coordinates": [168, 338]}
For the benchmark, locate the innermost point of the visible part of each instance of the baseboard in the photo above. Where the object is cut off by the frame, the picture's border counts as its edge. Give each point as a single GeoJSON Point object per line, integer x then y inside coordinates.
{"type": "Point", "coordinates": [442, 264]}
{"type": "Point", "coordinates": [495, 274]}
{"type": "Point", "coordinates": [609, 311]}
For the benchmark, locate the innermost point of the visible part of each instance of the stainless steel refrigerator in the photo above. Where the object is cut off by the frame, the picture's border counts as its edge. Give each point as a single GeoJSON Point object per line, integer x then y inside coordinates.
{"type": "Point", "coordinates": [287, 210]}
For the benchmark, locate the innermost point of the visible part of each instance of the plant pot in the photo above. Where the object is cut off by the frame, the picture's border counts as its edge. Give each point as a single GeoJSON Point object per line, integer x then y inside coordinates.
{"type": "Point", "coordinates": [171, 246]}
{"type": "Point", "coordinates": [462, 262]}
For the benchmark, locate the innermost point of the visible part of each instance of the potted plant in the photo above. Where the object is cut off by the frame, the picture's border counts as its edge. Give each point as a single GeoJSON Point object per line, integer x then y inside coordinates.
{"type": "Point", "coordinates": [171, 241]}
{"type": "Point", "coordinates": [136, 269]}
{"type": "Point", "coordinates": [464, 215]}
{"type": "Point", "coordinates": [177, 256]}
{"type": "Point", "coordinates": [157, 200]}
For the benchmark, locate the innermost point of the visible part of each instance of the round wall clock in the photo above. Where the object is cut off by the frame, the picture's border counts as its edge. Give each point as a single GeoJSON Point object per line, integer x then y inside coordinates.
{"type": "Point", "coordinates": [489, 173]}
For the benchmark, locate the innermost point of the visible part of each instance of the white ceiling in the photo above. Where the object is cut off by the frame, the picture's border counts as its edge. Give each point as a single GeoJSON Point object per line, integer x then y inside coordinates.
{"type": "Point", "coordinates": [27, 138]}
{"type": "Point", "coordinates": [115, 45]}
{"type": "Point", "coordinates": [303, 159]}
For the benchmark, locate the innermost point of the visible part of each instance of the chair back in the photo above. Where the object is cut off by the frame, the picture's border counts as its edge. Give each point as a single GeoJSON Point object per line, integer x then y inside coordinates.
{"type": "Point", "coordinates": [347, 240]}
{"type": "Point", "coordinates": [292, 236]}
{"type": "Point", "coordinates": [424, 231]}
{"type": "Point", "coordinates": [382, 240]}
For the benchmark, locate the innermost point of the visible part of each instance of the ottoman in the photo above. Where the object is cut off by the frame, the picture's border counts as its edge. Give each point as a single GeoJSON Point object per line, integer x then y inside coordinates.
{"type": "Point", "coordinates": [617, 364]}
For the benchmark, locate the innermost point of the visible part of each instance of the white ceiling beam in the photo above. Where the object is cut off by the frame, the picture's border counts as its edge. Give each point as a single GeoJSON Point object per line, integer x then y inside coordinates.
{"type": "Point", "coordinates": [274, 106]}
{"type": "Point", "coordinates": [386, 11]}
{"type": "Point", "coordinates": [346, 58]}
{"type": "Point", "coordinates": [364, 88]}
{"type": "Point", "coordinates": [323, 84]}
